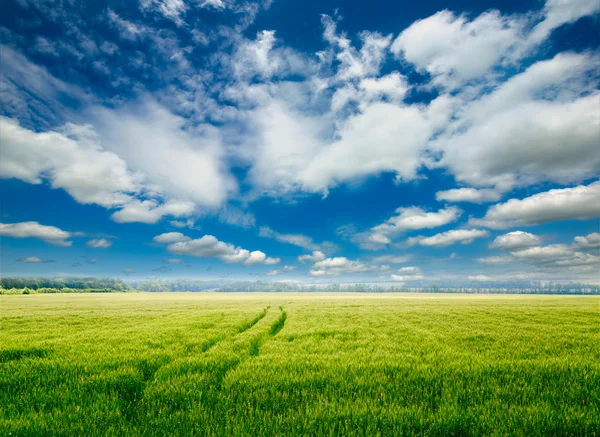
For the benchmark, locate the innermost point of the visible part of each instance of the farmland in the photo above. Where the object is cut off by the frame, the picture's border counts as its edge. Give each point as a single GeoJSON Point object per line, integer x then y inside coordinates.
{"type": "Point", "coordinates": [292, 364]}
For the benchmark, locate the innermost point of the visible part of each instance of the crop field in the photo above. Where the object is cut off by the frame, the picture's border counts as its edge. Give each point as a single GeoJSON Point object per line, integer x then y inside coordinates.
{"type": "Point", "coordinates": [257, 364]}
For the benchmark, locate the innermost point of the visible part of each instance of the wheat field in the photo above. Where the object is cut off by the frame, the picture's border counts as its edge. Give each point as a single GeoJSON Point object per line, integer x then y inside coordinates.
{"type": "Point", "coordinates": [311, 364]}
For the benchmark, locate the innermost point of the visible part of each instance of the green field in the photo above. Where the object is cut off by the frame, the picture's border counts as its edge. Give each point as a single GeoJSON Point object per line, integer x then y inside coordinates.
{"type": "Point", "coordinates": [299, 364]}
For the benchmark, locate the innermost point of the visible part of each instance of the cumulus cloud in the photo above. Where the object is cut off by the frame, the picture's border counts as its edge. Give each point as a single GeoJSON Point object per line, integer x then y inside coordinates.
{"type": "Point", "coordinates": [340, 265]}
{"type": "Point", "coordinates": [210, 247]}
{"type": "Point", "coordinates": [471, 195]}
{"type": "Point", "coordinates": [407, 274]}
{"type": "Point", "coordinates": [580, 202]}
{"type": "Point", "coordinates": [553, 259]}
{"type": "Point", "coordinates": [540, 125]}
{"type": "Point", "coordinates": [35, 260]}
{"type": "Point", "coordinates": [184, 166]}
{"type": "Point", "coordinates": [516, 240]}
{"type": "Point", "coordinates": [454, 50]}
{"type": "Point", "coordinates": [49, 234]}
{"type": "Point", "coordinates": [407, 219]}
{"type": "Point", "coordinates": [171, 237]}
{"type": "Point", "coordinates": [317, 255]}
{"type": "Point", "coordinates": [150, 211]}
{"type": "Point", "coordinates": [588, 242]}
{"type": "Point", "coordinates": [101, 243]}
{"type": "Point", "coordinates": [462, 236]}
{"type": "Point", "coordinates": [71, 160]}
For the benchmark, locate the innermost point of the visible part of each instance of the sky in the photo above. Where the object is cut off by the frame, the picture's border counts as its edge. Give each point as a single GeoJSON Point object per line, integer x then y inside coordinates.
{"type": "Point", "coordinates": [332, 141]}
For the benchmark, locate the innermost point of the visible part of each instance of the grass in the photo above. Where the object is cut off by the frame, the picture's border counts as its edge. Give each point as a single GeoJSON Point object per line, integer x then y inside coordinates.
{"type": "Point", "coordinates": [299, 365]}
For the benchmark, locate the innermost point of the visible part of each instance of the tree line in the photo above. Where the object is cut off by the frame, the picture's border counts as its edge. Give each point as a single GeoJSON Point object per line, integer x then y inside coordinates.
{"type": "Point", "coordinates": [112, 285]}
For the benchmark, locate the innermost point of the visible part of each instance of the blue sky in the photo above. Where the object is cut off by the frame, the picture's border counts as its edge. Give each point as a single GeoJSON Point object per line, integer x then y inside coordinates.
{"type": "Point", "coordinates": [331, 141]}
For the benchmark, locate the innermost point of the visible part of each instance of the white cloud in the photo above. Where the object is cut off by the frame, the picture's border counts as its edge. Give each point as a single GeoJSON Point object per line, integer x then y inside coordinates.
{"type": "Point", "coordinates": [236, 217]}
{"type": "Point", "coordinates": [588, 242]}
{"type": "Point", "coordinates": [343, 266]}
{"type": "Point", "coordinates": [150, 211]}
{"type": "Point", "coordinates": [559, 12]}
{"type": "Point", "coordinates": [407, 274]}
{"type": "Point", "coordinates": [71, 160]}
{"type": "Point", "coordinates": [49, 234]}
{"type": "Point", "coordinates": [101, 243]}
{"type": "Point", "coordinates": [171, 9]}
{"type": "Point", "coordinates": [454, 50]}
{"type": "Point", "coordinates": [189, 223]}
{"type": "Point", "coordinates": [317, 255]}
{"type": "Point", "coordinates": [581, 202]}
{"type": "Point", "coordinates": [462, 236]}
{"type": "Point", "coordinates": [178, 164]}
{"type": "Point", "coordinates": [543, 254]}
{"type": "Point", "coordinates": [355, 63]}
{"type": "Point", "coordinates": [516, 240]}
{"type": "Point", "coordinates": [382, 137]}
{"type": "Point", "coordinates": [258, 257]}
{"type": "Point", "coordinates": [472, 195]}
{"type": "Point", "coordinates": [408, 219]}
{"type": "Point", "coordinates": [217, 4]}
{"type": "Point", "coordinates": [540, 125]}
{"type": "Point", "coordinates": [210, 247]}
{"type": "Point", "coordinates": [171, 237]}
{"type": "Point", "coordinates": [553, 259]}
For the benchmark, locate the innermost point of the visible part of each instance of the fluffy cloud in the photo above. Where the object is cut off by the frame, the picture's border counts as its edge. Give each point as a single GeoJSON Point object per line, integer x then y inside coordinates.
{"type": "Point", "coordinates": [462, 236]}
{"type": "Point", "coordinates": [74, 161]}
{"type": "Point", "coordinates": [178, 164]}
{"type": "Point", "coordinates": [408, 219]}
{"type": "Point", "coordinates": [559, 12]}
{"type": "Point", "coordinates": [317, 255]}
{"type": "Point", "coordinates": [472, 195]}
{"type": "Point", "coordinates": [71, 160]}
{"type": "Point", "coordinates": [516, 240]}
{"type": "Point", "coordinates": [539, 125]}
{"type": "Point", "coordinates": [150, 211]}
{"type": "Point", "coordinates": [407, 274]}
{"type": "Point", "coordinates": [454, 50]}
{"type": "Point", "coordinates": [210, 247]}
{"type": "Point", "coordinates": [49, 234]}
{"type": "Point", "coordinates": [526, 249]}
{"type": "Point", "coordinates": [581, 202]}
{"type": "Point", "coordinates": [101, 243]}
{"type": "Point", "coordinates": [171, 237]}
{"type": "Point", "coordinates": [589, 242]}
{"type": "Point", "coordinates": [343, 266]}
